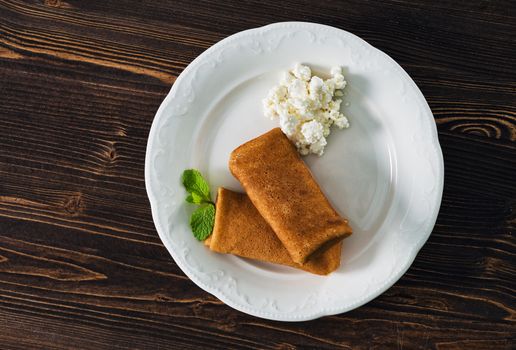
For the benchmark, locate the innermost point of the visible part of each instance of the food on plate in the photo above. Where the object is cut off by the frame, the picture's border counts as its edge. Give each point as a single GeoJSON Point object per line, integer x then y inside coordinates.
{"type": "Point", "coordinates": [307, 106]}
{"type": "Point", "coordinates": [241, 230]}
{"type": "Point", "coordinates": [282, 189]}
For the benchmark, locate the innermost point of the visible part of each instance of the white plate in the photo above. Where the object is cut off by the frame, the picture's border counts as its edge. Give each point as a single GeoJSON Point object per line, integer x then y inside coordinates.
{"type": "Point", "coordinates": [384, 173]}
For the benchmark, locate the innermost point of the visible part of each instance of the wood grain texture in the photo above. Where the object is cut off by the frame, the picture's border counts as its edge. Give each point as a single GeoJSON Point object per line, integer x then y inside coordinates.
{"type": "Point", "coordinates": [81, 265]}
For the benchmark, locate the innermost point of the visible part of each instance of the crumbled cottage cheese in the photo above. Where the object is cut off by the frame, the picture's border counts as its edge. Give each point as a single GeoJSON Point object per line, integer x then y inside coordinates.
{"type": "Point", "coordinates": [306, 107]}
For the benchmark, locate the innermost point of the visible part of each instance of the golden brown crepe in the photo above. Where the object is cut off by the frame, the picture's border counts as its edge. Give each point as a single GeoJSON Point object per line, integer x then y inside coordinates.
{"type": "Point", "coordinates": [283, 190]}
{"type": "Point", "coordinates": [240, 230]}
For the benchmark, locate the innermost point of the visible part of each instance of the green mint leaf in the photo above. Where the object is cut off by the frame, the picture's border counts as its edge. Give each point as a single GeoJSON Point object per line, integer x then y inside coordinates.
{"type": "Point", "coordinates": [195, 183]}
{"type": "Point", "coordinates": [190, 199]}
{"type": "Point", "coordinates": [194, 198]}
{"type": "Point", "coordinates": [202, 221]}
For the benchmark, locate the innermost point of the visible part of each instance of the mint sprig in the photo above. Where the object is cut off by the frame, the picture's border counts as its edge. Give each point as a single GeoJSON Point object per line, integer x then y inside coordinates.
{"type": "Point", "coordinates": [203, 218]}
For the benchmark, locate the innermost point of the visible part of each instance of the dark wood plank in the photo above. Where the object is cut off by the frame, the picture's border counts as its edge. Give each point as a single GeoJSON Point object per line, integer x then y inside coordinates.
{"type": "Point", "coordinates": [81, 266]}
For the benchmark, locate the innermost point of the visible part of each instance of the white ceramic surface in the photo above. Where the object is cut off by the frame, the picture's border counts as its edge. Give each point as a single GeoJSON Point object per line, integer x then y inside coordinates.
{"type": "Point", "coordinates": [384, 173]}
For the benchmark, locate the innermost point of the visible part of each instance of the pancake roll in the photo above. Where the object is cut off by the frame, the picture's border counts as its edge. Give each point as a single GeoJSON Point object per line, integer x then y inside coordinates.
{"type": "Point", "coordinates": [241, 230]}
{"type": "Point", "coordinates": [285, 194]}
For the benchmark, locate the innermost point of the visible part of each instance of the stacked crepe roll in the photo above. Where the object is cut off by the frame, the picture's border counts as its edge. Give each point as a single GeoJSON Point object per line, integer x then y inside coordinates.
{"type": "Point", "coordinates": [284, 218]}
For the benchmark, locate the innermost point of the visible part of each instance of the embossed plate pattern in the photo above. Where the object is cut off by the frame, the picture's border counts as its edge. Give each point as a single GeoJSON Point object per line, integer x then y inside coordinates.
{"type": "Point", "coordinates": [385, 173]}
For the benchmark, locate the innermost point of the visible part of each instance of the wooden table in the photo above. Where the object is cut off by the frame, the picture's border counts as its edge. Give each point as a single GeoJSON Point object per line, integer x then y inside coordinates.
{"type": "Point", "coordinates": [81, 264]}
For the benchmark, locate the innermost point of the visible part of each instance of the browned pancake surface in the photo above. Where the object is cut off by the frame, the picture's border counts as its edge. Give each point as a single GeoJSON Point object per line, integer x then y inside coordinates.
{"type": "Point", "coordinates": [240, 230]}
{"type": "Point", "coordinates": [283, 190]}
